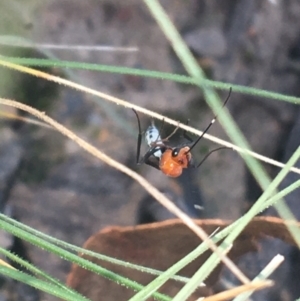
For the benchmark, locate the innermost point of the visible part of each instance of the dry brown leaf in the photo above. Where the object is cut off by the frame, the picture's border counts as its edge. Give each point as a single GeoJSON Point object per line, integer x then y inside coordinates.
{"type": "Point", "coordinates": [159, 246]}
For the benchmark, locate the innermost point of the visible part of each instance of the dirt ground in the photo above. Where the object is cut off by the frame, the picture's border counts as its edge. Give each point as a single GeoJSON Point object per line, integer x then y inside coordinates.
{"type": "Point", "coordinates": [62, 191]}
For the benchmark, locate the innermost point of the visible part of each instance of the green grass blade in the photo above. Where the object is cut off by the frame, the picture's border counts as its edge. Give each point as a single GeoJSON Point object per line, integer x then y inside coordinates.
{"type": "Point", "coordinates": [168, 274]}
{"type": "Point", "coordinates": [87, 252]}
{"type": "Point", "coordinates": [35, 62]}
{"type": "Point", "coordinates": [229, 125]}
{"type": "Point", "coordinates": [40, 284]}
{"type": "Point", "coordinates": [214, 260]}
{"type": "Point", "coordinates": [30, 267]}
{"type": "Point", "coordinates": [158, 282]}
{"type": "Point", "coordinates": [74, 258]}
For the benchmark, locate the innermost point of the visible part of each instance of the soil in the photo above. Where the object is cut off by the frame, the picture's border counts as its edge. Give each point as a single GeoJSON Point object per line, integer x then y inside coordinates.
{"type": "Point", "coordinates": [66, 193]}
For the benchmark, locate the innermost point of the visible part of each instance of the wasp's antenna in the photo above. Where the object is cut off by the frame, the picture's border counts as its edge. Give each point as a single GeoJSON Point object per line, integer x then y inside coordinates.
{"type": "Point", "coordinates": [212, 151]}
{"type": "Point", "coordinates": [211, 123]}
{"type": "Point", "coordinates": [139, 141]}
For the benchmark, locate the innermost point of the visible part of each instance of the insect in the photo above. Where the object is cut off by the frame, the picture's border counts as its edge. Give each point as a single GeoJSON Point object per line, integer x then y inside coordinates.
{"type": "Point", "coordinates": [171, 160]}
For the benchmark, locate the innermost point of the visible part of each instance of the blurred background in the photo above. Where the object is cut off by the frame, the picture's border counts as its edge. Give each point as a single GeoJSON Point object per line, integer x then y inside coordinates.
{"type": "Point", "coordinates": [50, 184]}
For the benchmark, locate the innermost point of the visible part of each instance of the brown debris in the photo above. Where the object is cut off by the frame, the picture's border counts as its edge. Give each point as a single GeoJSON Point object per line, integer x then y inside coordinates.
{"type": "Point", "coordinates": [159, 246]}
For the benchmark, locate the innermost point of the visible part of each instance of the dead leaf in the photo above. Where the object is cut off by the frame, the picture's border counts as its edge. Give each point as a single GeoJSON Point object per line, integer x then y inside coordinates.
{"type": "Point", "coordinates": [159, 246]}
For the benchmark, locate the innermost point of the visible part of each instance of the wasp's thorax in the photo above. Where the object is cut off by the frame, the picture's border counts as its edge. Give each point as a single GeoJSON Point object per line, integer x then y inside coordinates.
{"type": "Point", "coordinates": [174, 160]}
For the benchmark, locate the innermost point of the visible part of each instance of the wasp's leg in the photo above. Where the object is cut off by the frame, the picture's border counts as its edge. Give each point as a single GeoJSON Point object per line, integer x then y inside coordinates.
{"type": "Point", "coordinates": [149, 159]}
{"type": "Point", "coordinates": [172, 134]}
{"type": "Point", "coordinates": [139, 140]}
{"type": "Point", "coordinates": [161, 128]}
{"type": "Point", "coordinates": [208, 154]}
{"type": "Point", "coordinates": [138, 148]}
{"type": "Point", "coordinates": [151, 152]}
{"type": "Point", "coordinates": [152, 161]}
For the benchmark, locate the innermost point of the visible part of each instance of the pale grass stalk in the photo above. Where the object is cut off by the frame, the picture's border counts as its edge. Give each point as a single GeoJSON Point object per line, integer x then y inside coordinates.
{"type": "Point", "coordinates": [102, 48]}
{"type": "Point", "coordinates": [264, 274]}
{"type": "Point", "coordinates": [126, 104]}
{"type": "Point", "coordinates": [25, 119]}
{"type": "Point", "coordinates": [160, 197]}
{"type": "Point", "coordinates": [4, 263]}
{"type": "Point", "coordinates": [229, 294]}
